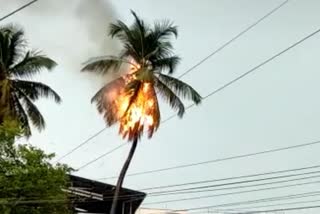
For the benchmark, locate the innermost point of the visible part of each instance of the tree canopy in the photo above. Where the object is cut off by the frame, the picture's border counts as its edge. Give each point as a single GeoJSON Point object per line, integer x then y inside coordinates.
{"type": "Point", "coordinates": [29, 183]}
{"type": "Point", "coordinates": [18, 65]}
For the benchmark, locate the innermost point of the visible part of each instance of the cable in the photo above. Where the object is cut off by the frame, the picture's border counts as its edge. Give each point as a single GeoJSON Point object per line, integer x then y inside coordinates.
{"type": "Point", "coordinates": [232, 193]}
{"type": "Point", "coordinates": [183, 191]}
{"type": "Point", "coordinates": [19, 9]}
{"type": "Point", "coordinates": [230, 178]}
{"type": "Point", "coordinates": [193, 67]}
{"type": "Point", "coordinates": [234, 38]}
{"type": "Point", "coordinates": [251, 70]}
{"type": "Point", "coordinates": [194, 198]}
{"type": "Point", "coordinates": [81, 144]}
{"type": "Point", "coordinates": [272, 205]}
{"type": "Point", "coordinates": [264, 200]}
{"type": "Point", "coordinates": [218, 160]}
{"type": "Point", "coordinates": [280, 210]}
{"type": "Point", "coordinates": [238, 177]}
{"type": "Point", "coordinates": [223, 184]}
{"type": "Point", "coordinates": [101, 156]}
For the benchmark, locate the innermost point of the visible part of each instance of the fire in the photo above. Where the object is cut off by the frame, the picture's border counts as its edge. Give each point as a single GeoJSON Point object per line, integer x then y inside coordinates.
{"type": "Point", "coordinates": [138, 115]}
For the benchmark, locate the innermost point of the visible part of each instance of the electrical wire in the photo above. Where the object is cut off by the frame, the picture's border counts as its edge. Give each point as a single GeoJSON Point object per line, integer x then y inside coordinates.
{"type": "Point", "coordinates": [217, 160]}
{"type": "Point", "coordinates": [109, 198]}
{"type": "Point", "coordinates": [272, 205]}
{"type": "Point", "coordinates": [231, 193]}
{"type": "Point", "coordinates": [101, 156]}
{"type": "Point", "coordinates": [232, 184]}
{"type": "Point", "coordinates": [230, 178]}
{"type": "Point", "coordinates": [233, 39]}
{"type": "Point", "coordinates": [17, 10]}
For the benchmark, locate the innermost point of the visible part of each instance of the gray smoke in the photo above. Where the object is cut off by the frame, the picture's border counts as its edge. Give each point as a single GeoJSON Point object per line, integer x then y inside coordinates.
{"type": "Point", "coordinates": [70, 31]}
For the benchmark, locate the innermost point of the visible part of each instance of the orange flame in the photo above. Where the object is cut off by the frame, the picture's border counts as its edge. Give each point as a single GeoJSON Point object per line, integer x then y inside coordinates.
{"type": "Point", "coordinates": [134, 117]}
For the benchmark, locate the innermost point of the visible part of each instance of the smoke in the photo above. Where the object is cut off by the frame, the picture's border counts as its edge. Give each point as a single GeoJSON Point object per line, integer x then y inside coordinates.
{"type": "Point", "coordinates": [69, 31]}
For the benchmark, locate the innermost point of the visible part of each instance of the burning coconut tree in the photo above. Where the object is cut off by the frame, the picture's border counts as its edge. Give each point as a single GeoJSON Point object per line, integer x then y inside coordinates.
{"type": "Point", "coordinates": [132, 99]}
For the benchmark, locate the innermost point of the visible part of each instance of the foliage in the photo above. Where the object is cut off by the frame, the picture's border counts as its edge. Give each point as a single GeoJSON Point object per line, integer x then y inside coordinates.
{"type": "Point", "coordinates": [17, 66]}
{"type": "Point", "coordinates": [149, 53]}
{"type": "Point", "coordinates": [29, 184]}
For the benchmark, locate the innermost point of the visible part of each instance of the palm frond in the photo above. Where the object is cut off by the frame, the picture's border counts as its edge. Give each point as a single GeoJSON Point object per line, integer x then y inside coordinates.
{"type": "Point", "coordinates": [158, 40]}
{"type": "Point", "coordinates": [132, 90]}
{"type": "Point", "coordinates": [98, 99]}
{"type": "Point", "coordinates": [102, 66]}
{"type": "Point", "coordinates": [158, 50]}
{"type": "Point", "coordinates": [16, 47]}
{"type": "Point", "coordinates": [168, 63]}
{"type": "Point", "coordinates": [169, 96]}
{"type": "Point", "coordinates": [32, 63]}
{"type": "Point", "coordinates": [155, 112]}
{"type": "Point", "coordinates": [120, 30]}
{"type": "Point", "coordinates": [32, 111]}
{"type": "Point", "coordinates": [105, 100]}
{"type": "Point", "coordinates": [130, 38]}
{"type": "Point", "coordinates": [141, 29]}
{"type": "Point", "coordinates": [164, 29]}
{"type": "Point", "coordinates": [35, 90]}
{"type": "Point", "coordinates": [180, 87]}
{"type": "Point", "coordinates": [139, 24]}
{"type": "Point", "coordinates": [4, 44]}
{"type": "Point", "coordinates": [19, 113]}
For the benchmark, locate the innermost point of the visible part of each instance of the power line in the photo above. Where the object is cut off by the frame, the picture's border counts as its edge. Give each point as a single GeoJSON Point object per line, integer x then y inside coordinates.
{"type": "Point", "coordinates": [81, 144]}
{"type": "Point", "coordinates": [183, 191]}
{"type": "Point", "coordinates": [19, 9]}
{"type": "Point", "coordinates": [283, 209]}
{"type": "Point", "coordinates": [101, 156]}
{"type": "Point", "coordinates": [252, 70]}
{"type": "Point", "coordinates": [234, 38]}
{"type": "Point", "coordinates": [232, 193]}
{"type": "Point", "coordinates": [264, 200]}
{"type": "Point", "coordinates": [273, 205]}
{"type": "Point", "coordinates": [230, 178]}
{"type": "Point", "coordinates": [193, 67]}
{"type": "Point", "coordinates": [261, 200]}
{"type": "Point", "coordinates": [257, 201]}
{"type": "Point", "coordinates": [239, 177]}
{"type": "Point", "coordinates": [218, 160]}
{"type": "Point", "coordinates": [229, 193]}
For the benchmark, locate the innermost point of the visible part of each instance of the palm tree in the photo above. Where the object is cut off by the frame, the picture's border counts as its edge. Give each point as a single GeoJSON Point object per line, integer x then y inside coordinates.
{"type": "Point", "coordinates": [17, 93]}
{"type": "Point", "coordinates": [132, 99]}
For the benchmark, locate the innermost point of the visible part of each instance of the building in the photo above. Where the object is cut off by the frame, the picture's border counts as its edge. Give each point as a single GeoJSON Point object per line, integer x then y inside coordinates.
{"type": "Point", "coordinates": [89, 196]}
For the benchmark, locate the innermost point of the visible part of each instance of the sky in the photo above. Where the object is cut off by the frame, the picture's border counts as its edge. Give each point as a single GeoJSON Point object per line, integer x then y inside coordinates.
{"type": "Point", "coordinates": [276, 106]}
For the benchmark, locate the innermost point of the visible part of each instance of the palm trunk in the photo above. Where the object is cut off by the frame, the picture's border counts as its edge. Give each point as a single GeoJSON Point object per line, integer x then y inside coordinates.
{"type": "Point", "coordinates": [122, 176]}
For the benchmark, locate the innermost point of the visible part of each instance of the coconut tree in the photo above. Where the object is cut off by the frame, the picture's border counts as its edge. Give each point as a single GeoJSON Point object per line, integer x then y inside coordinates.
{"type": "Point", "coordinates": [132, 99]}
{"type": "Point", "coordinates": [17, 93]}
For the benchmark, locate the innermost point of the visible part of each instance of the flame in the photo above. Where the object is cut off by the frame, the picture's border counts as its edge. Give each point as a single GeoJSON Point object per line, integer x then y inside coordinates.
{"type": "Point", "coordinates": [137, 116]}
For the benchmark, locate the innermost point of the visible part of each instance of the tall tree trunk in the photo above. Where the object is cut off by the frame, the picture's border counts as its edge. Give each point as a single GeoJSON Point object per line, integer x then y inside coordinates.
{"type": "Point", "coordinates": [122, 176]}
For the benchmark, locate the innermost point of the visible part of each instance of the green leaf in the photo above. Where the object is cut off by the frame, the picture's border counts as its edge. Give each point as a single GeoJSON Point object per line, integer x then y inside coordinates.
{"type": "Point", "coordinates": [169, 96]}
{"type": "Point", "coordinates": [36, 90]}
{"type": "Point", "coordinates": [19, 113]}
{"type": "Point", "coordinates": [32, 111]}
{"type": "Point", "coordinates": [102, 66]}
{"type": "Point", "coordinates": [168, 63]}
{"type": "Point", "coordinates": [181, 88]}
{"type": "Point", "coordinates": [33, 63]}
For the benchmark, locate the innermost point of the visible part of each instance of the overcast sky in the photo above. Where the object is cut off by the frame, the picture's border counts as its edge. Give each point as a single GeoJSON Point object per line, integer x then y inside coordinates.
{"type": "Point", "coordinates": [276, 106]}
